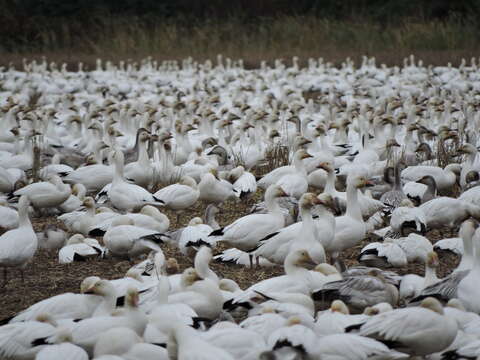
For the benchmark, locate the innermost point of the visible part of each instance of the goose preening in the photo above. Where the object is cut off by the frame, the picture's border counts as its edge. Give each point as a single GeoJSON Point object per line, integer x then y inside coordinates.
{"type": "Point", "coordinates": [108, 158]}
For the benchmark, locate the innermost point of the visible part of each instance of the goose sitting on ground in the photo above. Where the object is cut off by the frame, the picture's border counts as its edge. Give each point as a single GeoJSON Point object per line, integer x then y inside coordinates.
{"type": "Point", "coordinates": [124, 239]}
{"type": "Point", "coordinates": [52, 237]}
{"type": "Point", "coordinates": [96, 294]}
{"type": "Point", "coordinates": [246, 232]}
{"type": "Point", "coordinates": [358, 292]}
{"type": "Point", "coordinates": [314, 233]}
{"type": "Point", "coordinates": [421, 191]}
{"type": "Point", "coordinates": [47, 194]}
{"type": "Point", "coordinates": [297, 168]}
{"type": "Point", "coordinates": [244, 183]}
{"type": "Point", "coordinates": [412, 284]}
{"type": "Point", "coordinates": [215, 190]}
{"type": "Point", "coordinates": [417, 331]}
{"type": "Point", "coordinates": [446, 211]}
{"type": "Point", "coordinates": [79, 248]}
{"type": "Point", "coordinates": [407, 216]}
{"type": "Point", "coordinates": [444, 178]}
{"type": "Point", "coordinates": [193, 236]}
{"type": "Point", "coordinates": [179, 196]}
{"type": "Point", "coordinates": [18, 246]}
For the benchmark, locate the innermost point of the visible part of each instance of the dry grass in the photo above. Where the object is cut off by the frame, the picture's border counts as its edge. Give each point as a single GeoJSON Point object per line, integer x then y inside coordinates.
{"type": "Point", "coordinates": [281, 37]}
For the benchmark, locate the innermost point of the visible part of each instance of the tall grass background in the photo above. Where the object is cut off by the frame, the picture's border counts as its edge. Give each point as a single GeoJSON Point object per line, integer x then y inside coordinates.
{"type": "Point", "coordinates": [254, 34]}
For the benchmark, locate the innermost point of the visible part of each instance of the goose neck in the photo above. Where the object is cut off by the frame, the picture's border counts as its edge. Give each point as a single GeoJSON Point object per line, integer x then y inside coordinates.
{"type": "Point", "coordinates": [23, 218]}
{"type": "Point", "coordinates": [299, 166]}
{"type": "Point", "coordinates": [353, 208]}
{"type": "Point", "coordinates": [330, 183]}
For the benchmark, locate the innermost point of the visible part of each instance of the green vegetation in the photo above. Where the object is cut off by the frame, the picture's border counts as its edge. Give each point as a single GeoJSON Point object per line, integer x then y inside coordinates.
{"type": "Point", "coordinates": [65, 30]}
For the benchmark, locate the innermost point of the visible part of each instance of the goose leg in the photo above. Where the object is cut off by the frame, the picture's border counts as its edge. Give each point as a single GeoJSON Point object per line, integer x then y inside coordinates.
{"type": "Point", "coordinates": [250, 256]}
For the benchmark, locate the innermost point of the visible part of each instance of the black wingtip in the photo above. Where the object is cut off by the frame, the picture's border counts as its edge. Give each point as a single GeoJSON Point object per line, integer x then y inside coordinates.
{"type": "Point", "coordinates": [217, 232]}
{"type": "Point", "coordinates": [96, 232]}
{"type": "Point", "coordinates": [198, 243]}
{"type": "Point", "coordinates": [353, 327]}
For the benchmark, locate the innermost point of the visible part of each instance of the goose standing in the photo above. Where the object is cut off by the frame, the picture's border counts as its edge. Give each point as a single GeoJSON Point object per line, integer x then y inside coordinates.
{"type": "Point", "coordinates": [246, 232]}
{"type": "Point", "coordinates": [18, 246]}
{"type": "Point", "coordinates": [468, 290]}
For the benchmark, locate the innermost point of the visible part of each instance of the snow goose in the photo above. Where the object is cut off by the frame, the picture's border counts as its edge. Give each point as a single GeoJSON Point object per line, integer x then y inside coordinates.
{"type": "Point", "coordinates": [350, 228]}
{"type": "Point", "coordinates": [244, 183]}
{"type": "Point", "coordinates": [297, 168]}
{"type": "Point", "coordinates": [18, 246]}
{"type": "Point", "coordinates": [61, 351]}
{"type": "Point", "coordinates": [382, 254]}
{"type": "Point", "coordinates": [8, 217]}
{"type": "Point", "coordinates": [417, 331]}
{"type": "Point", "coordinates": [202, 295]}
{"type": "Point", "coordinates": [150, 218]}
{"type": "Point", "coordinates": [109, 343]}
{"type": "Point", "coordinates": [52, 237]}
{"type": "Point", "coordinates": [421, 191]}
{"type": "Point", "coordinates": [140, 172]}
{"type": "Point", "coordinates": [183, 339]}
{"type": "Point", "coordinates": [246, 232]}
{"type": "Point", "coordinates": [79, 248]}
{"type": "Point", "coordinates": [407, 216]}
{"type": "Point", "coordinates": [215, 190]}
{"type": "Point", "coordinates": [144, 351]}
{"type": "Point", "coordinates": [353, 347]}
{"type": "Point", "coordinates": [241, 343]}
{"type": "Point", "coordinates": [446, 211]}
{"type": "Point", "coordinates": [124, 239]}
{"type": "Point", "coordinates": [394, 197]}
{"type": "Point", "coordinates": [412, 285]}
{"type": "Point", "coordinates": [195, 235]}
{"type": "Point", "coordinates": [467, 291]}
{"type": "Point", "coordinates": [17, 341]}
{"type": "Point", "coordinates": [74, 201]}
{"type": "Point", "coordinates": [73, 306]}
{"type": "Point", "coordinates": [179, 196]}
{"type": "Point", "coordinates": [358, 291]}
{"type": "Point", "coordinates": [125, 196]}
{"type": "Point", "coordinates": [335, 319]}
{"type": "Point", "coordinates": [296, 278]}
{"type": "Point", "coordinates": [47, 194]}
{"type": "Point", "coordinates": [276, 246]}
{"type": "Point", "coordinates": [471, 152]}
{"type": "Point", "coordinates": [444, 178]}
{"type": "Point", "coordinates": [85, 332]}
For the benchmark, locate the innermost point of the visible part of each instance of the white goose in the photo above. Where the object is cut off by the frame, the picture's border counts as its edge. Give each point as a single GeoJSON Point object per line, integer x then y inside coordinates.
{"type": "Point", "coordinates": [444, 178]}
{"type": "Point", "coordinates": [140, 172]}
{"type": "Point", "coordinates": [244, 183]}
{"type": "Point", "coordinates": [215, 190]}
{"type": "Point", "coordinates": [468, 291]}
{"type": "Point", "coordinates": [47, 194]}
{"type": "Point", "coordinates": [79, 248]}
{"type": "Point", "coordinates": [350, 229]}
{"type": "Point", "coordinates": [125, 196]}
{"type": "Point", "coordinates": [18, 246]}
{"type": "Point", "coordinates": [246, 232]}
{"type": "Point", "coordinates": [418, 331]}
{"type": "Point", "coordinates": [314, 233]}
{"type": "Point", "coordinates": [124, 239]}
{"type": "Point", "coordinates": [297, 168]}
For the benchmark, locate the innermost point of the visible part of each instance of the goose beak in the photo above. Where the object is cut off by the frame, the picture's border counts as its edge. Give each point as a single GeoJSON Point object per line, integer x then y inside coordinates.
{"type": "Point", "coordinates": [369, 183]}
{"type": "Point", "coordinates": [306, 156]}
{"type": "Point", "coordinates": [282, 193]}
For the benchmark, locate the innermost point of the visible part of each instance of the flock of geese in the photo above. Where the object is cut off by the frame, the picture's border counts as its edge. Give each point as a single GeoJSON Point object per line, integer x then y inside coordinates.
{"type": "Point", "coordinates": [344, 157]}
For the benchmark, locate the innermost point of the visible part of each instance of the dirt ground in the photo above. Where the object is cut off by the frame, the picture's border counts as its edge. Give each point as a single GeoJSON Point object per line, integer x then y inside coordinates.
{"type": "Point", "coordinates": [45, 277]}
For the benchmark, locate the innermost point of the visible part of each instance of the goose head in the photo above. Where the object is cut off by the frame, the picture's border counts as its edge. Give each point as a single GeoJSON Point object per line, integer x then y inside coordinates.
{"type": "Point", "coordinates": [467, 149]}
{"type": "Point", "coordinates": [101, 288]}
{"type": "Point", "coordinates": [358, 181]}
{"type": "Point", "coordinates": [391, 143]}
{"type": "Point", "coordinates": [236, 173]}
{"type": "Point", "coordinates": [472, 177]}
{"type": "Point", "coordinates": [302, 154]}
{"type": "Point", "coordinates": [300, 141]}
{"type": "Point", "coordinates": [327, 166]}
{"type": "Point", "coordinates": [432, 304]}
{"type": "Point", "coordinates": [429, 181]}
{"type": "Point", "coordinates": [132, 298]}
{"type": "Point", "coordinates": [151, 211]}
{"type": "Point", "coordinates": [172, 266]}
{"type": "Point", "coordinates": [88, 202]}
{"type": "Point", "coordinates": [309, 200]}
{"type": "Point", "coordinates": [327, 200]}
{"type": "Point", "coordinates": [134, 274]}
{"type": "Point", "coordinates": [340, 307]}
{"type": "Point", "coordinates": [456, 304]}
{"type": "Point", "coordinates": [46, 318]}
{"type": "Point", "coordinates": [188, 181]}
{"type": "Point", "coordinates": [275, 191]}
{"type": "Point", "coordinates": [228, 285]}
{"type": "Point", "coordinates": [143, 135]}
{"type": "Point", "coordinates": [195, 221]}
{"type": "Point", "coordinates": [189, 277]}
{"type": "Point", "coordinates": [76, 239]}
{"type": "Point", "coordinates": [300, 258]}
